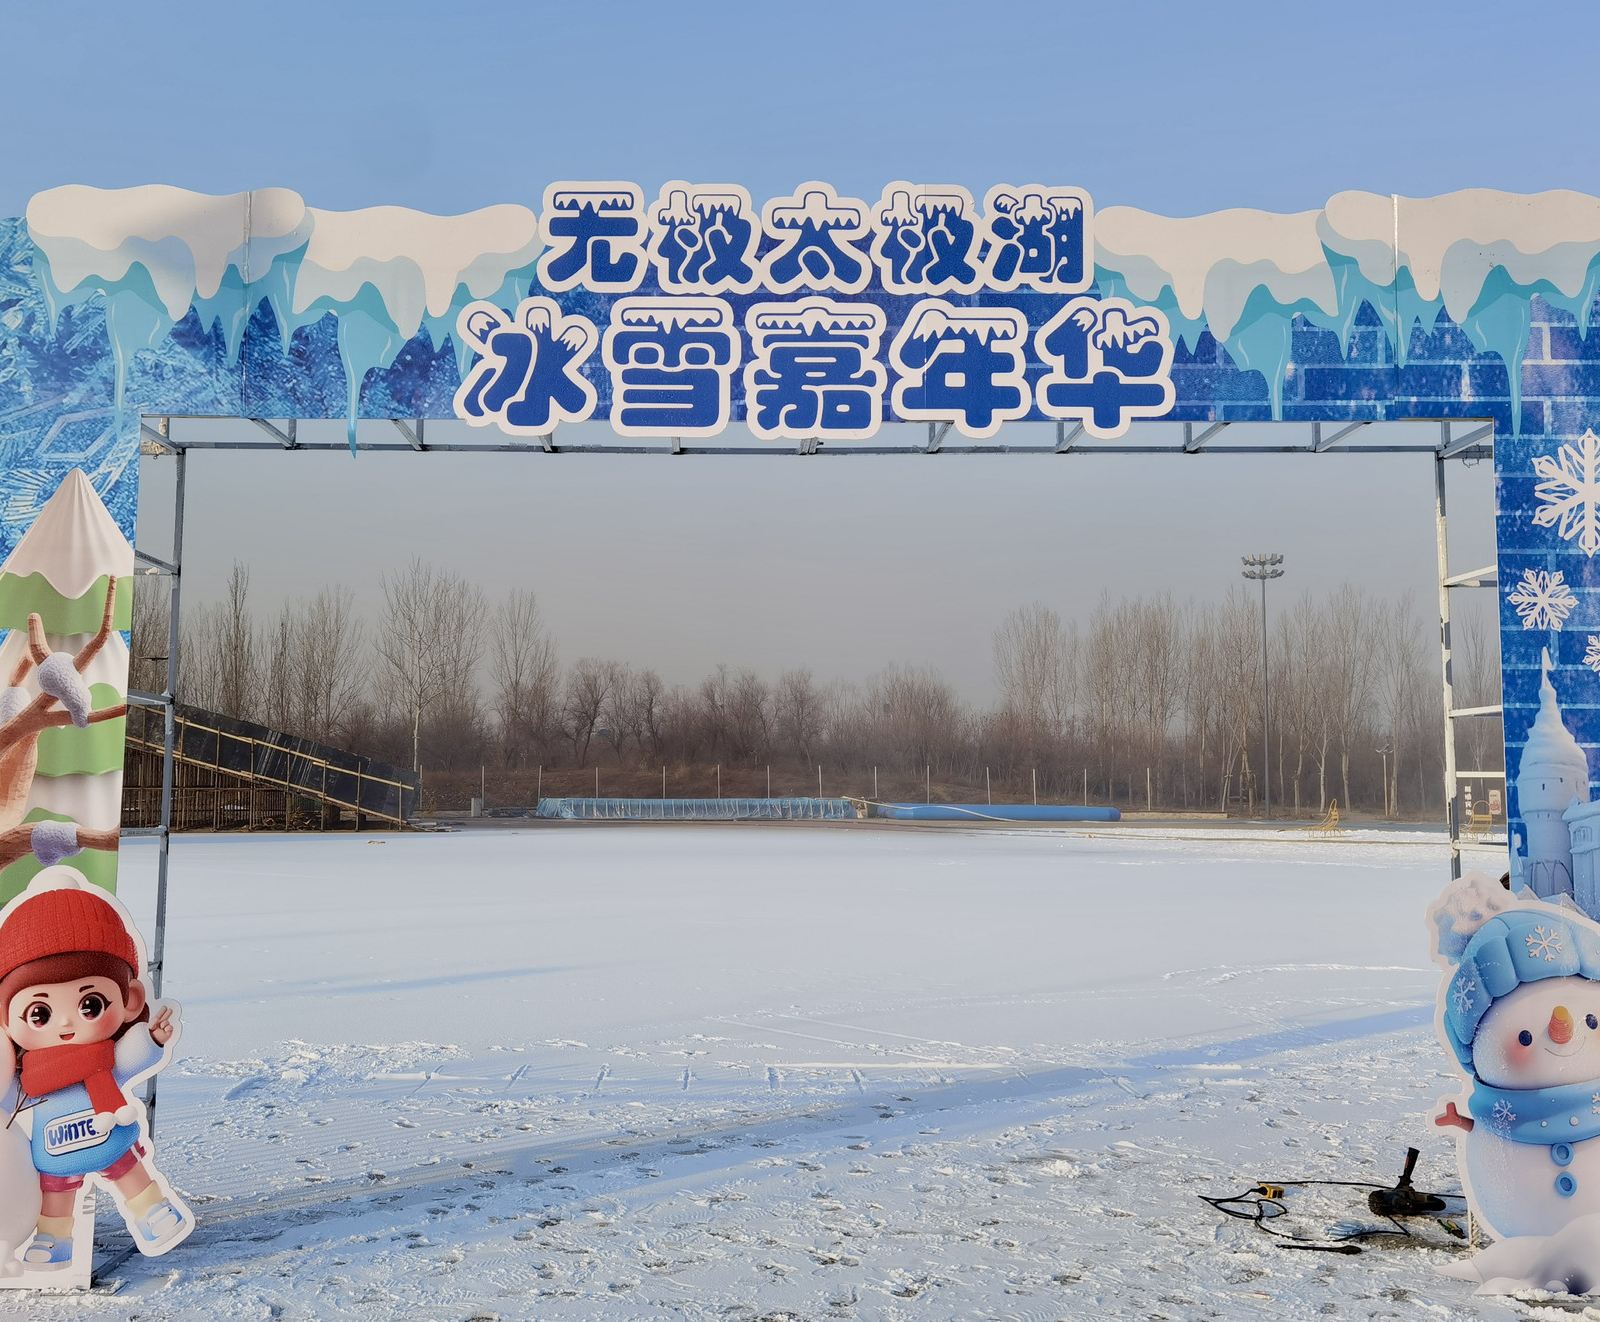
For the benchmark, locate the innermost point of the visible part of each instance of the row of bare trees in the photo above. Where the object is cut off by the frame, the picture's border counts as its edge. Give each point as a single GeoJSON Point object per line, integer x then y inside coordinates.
{"type": "Point", "coordinates": [1145, 701]}
{"type": "Point", "coordinates": [1175, 695]}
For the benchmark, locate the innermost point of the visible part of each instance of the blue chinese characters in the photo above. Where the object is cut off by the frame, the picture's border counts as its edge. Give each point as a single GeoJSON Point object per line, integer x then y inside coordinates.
{"type": "Point", "coordinates": [672, 292]}
{"type": "Point", "coordinates": [526, 378]}
{"type": "Point", "coordinates": [926, 240]}
{"type": "Point", "coordinates": [671, 362]}
{"type": "Point", "coordinates": [703, 238]}
{"type": "Point", "coordinates": [962, 365]}
{"type": "Point", "coordinates": [814, 370]}
{"type": "Point", "coordinates": [1039, 237]}
{"type": "Point", "coordinates": [1111, 363]}
{"type": "Point", "coordinates": [821, 241]}
{"type": "Point", "coordinates": [596, 237]}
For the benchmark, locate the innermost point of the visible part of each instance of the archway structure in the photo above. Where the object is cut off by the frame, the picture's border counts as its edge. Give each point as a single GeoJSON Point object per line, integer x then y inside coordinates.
{"type": "Point", "coordinates": [693, 320]}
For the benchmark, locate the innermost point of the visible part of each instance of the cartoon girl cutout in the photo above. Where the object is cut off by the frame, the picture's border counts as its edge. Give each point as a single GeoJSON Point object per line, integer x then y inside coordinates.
{"type": "Point", "coordinates": [73, 1007]}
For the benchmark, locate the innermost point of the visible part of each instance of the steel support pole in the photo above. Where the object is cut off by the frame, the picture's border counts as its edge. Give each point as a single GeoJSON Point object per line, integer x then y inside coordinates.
{"type": "Point", "coordinates": [1452, 809]}
{"type": "Point", "coordinates": [158, 951]}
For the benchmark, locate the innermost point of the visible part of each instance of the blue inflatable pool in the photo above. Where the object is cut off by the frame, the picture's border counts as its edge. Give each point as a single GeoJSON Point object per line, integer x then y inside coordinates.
{"type": "Point", "coordinates": [995, 812]}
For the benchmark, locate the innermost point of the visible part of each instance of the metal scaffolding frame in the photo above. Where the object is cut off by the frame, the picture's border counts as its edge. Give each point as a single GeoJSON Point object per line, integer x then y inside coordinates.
{"type": "Point", "coordinates": [1464, 439]}
{"type": "Point", "coordinates": [1456, 438]}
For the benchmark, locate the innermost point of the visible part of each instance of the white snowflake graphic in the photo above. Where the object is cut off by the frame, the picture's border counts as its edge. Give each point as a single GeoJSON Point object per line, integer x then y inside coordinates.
{"type": "Point", "coordinates": [1462, 992]}
{"type": "Point", "coordinates": [1502, 1117]}
{"type": "Point", "coordinates": [1543, 943]}
{"type": "Point", "coordinates": [1595, 1098]}
{"type": "Point", "coordinates": [1569, 493]}
{"type": "Point", "coordinates": [1591, 654]}
{"type": "Point", "coordinates": [1542, 600]}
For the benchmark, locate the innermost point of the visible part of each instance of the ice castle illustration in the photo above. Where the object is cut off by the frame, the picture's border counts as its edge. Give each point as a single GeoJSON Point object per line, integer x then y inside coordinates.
{"type": "Point", "coordinates": [1561, 826]}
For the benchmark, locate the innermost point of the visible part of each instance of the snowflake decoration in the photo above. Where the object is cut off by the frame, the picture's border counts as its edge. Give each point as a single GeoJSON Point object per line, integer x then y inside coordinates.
{"type": "Point", "coordinates": [1595, 1098]}
{"type": "Point", "coordinates": [1462, 991]}
{"type": "Point", "coordinates": [1591, 654]}
{"type": "Point", "coordinates": [1569, 493]}
{"type": "Point", "coordinates": [1542, 600]}
{"type": "Point", "coordinates": [1543, 943]}
{"type": "Point", "coordinates": [1502, 1117]}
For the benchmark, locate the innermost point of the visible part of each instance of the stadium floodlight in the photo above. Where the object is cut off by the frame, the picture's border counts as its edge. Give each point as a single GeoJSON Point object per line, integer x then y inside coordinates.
{"type": "Point", "coordinates": [1261, 568]}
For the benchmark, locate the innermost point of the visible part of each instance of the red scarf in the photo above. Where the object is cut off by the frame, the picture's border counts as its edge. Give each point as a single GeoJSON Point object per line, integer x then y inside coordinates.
{"type": "Point", "coordinates": [51, 1069]}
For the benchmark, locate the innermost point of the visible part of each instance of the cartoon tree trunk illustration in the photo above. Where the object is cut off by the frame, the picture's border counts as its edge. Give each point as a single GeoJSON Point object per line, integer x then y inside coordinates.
{"type": "Point", "coordinates": [63, 698]}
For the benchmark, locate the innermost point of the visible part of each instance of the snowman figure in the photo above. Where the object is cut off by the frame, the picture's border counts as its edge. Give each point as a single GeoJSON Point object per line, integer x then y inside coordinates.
{"type": "Point", "coordinates": [1521, 1012]}
{"type": "Point", "coordinates": [19, 1182]}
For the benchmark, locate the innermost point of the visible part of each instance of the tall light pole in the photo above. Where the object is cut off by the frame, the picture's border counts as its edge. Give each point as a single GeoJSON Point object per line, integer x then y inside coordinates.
{"type": "Point", "coordinates": [1261, 568]}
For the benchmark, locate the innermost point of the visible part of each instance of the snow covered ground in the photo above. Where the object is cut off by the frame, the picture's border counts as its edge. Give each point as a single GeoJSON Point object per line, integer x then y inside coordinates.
{"type": "Point", "coordinates": [768, 1072]}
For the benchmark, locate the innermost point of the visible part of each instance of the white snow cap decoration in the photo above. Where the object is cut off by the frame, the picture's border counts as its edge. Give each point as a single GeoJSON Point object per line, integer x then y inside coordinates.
{"type": "Point", "coordinates": [1466, 905]}
{"type": "Point", "coordinates": [1213, 263]}
{"type": "Point", "coordinates": [60, 679]}
{"type": "Point", "coordinates": [185, 241]}
{"type": "Point", "coordinates": [12, 701]}
{"type": "Point", "coordinates": [1451, 243]}
{"type": "Point", "coordinates": [415, 261]}
{"type": "Point", "coordinates": [54, 841]}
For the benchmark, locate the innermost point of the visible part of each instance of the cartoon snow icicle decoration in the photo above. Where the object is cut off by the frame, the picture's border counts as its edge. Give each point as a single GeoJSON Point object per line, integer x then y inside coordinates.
{"type": "Point", "coordinates": [78, 1019]}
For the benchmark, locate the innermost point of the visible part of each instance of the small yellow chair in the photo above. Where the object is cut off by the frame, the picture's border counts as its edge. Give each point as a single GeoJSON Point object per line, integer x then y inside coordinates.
{"type": "Point", "coordinates": [1329, 824]}
{"type": "Point", "coordinates": [1480, 821]}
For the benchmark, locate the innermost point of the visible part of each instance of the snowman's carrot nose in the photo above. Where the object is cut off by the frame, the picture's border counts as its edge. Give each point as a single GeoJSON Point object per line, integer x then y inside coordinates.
{"type": "Point", "coordinates": [1560, 1028]}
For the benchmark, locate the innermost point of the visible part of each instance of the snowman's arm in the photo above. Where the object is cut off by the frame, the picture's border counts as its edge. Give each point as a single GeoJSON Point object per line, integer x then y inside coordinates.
{"type": "Point", "coordinates": [1454, 1118]}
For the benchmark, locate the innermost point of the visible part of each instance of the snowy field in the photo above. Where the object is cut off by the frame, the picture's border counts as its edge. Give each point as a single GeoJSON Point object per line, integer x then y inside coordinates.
{"type": "Point", "coordinates": [782, 1072]}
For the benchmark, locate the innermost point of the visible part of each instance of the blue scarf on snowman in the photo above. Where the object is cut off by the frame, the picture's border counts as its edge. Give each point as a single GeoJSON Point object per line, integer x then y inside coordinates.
{"type": "Point", "coordinates": [1514, 947]}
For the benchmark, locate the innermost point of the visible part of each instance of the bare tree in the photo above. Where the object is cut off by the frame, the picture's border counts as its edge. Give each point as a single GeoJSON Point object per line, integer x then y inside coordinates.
{"type": "Point", "coordinates": [749, 716]}
{"type": "Point", "coordinates": [148, 638]}
{"type": "Point", "coordinates": [634, 711]}
{"type": "Point", "coordinates": [327, 663]}
{"type": "Point", "coordinates": [236, 647]}
{"type": "Point", "coordinates": [716, 698]}
{"type": "Point", "coordinates": [587, 690]}
{"type": "Point", "coordinates": [1238, 675]}
{"type": "Point", "coordinates": [412, 646]}
{"type": "Point", "coordinates": [219, 651]}
{"type": "Point", "coordinates": [920, 719]}
{"type": "Point", "coordinates": [1349, 676]}
{"type": "Point", "coordinates": [798, 713]}
{"type": "Point", "coordinates": [1397, 673]}
{"type": "Point", "coordinates": [277, 672]}
{"type": "Point", "coordinates": [1157, 650]}
{"type": "Point", "coordinates": [1296, 691]}
{"type": "Point", "coordinates": [525, 671]}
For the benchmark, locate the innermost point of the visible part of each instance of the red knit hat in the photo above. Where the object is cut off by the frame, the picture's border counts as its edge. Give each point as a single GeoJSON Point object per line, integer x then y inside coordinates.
{"type": "Point", "coordinates": [64, 920]}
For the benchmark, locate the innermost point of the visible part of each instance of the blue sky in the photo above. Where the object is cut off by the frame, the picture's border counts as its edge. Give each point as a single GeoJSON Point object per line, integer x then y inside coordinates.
{"type": "Point", "coordinates": [450, 106]}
